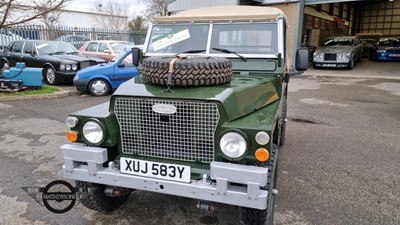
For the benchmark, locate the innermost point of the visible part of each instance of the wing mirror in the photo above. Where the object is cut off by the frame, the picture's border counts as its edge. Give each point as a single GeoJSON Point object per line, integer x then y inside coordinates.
{"type": "Point", "coordinates": [135, 56]}
{"type": "Point", "coordinates": [302, 56]}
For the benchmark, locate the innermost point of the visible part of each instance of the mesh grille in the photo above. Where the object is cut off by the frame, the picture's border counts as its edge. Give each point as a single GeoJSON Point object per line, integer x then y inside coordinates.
{"type": "Point", "coordinates": [331, 57]}
{"type": "Point", "coordinates": [186, 135]}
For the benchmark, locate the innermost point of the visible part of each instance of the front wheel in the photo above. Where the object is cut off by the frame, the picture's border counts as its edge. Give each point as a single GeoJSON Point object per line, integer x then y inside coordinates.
{"type": "Point", "coordinates": [99, 87]}
{"type": "Point", "coordinates": [50, 76]}
{"type": "Point", "coordinates": [94, 198]}
{"type": "Point", "coordinates": [351, 64]}
{"type": "Point", "coordinates": [249, 216]}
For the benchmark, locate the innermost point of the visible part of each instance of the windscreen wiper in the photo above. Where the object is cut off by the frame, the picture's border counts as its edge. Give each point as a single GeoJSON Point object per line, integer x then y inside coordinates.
{"type": "Point", "coordinates": [57, 53]}
{"type": "Point", "coordinates": [72, 53]}
{"type": "Point", "coordinates": [193, 51]}
{"type": "Point", "coordinates": [229, 51]}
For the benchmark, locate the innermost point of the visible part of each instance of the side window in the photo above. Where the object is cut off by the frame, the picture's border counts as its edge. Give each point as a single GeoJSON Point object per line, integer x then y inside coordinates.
{"type": "Point", "coordinates": [28, 47]}
{"type": "Point", "coordinates": [17, 47]}
{"type": "Point", "coordinates": [102, 47]}
{"type": "Point", "coordinates": [92, 47]}
{"type": "Point", "coordinates": [127, 61]}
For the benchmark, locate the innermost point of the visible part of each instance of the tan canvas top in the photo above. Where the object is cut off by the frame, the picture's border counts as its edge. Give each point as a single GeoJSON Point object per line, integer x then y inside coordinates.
{"type": "Point", "coordinates": [224, 13]}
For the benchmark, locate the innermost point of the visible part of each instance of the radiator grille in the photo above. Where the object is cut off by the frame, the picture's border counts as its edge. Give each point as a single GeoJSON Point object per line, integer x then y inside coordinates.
{"type": "Point", "coordinates": [186, 135]}
{"type": "Point", "coordinates": [87, 64]}
{"type": "Point", "coordinates": [330, 57]}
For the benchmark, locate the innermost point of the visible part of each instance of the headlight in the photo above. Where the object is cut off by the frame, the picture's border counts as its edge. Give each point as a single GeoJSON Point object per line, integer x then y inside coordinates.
{"type": "Point", "coordinates": [318, 55]}
{"type": "Point", "coordinates": [62, 67]}
{"type": "Point", "coordinates": [262, 138]}
{"type": "Point", "coordinates": [71, 121]}
{"type": "Point", "coordinates": [74, 67]}
{"type": "Point", "coordinates": [93, 132]}
{"type": "Point", "coordinates": [233, 145]}
{"type": "Point", "coordinates": [68, 67]}
{"type": "Point", "coordinates": [344, 56]}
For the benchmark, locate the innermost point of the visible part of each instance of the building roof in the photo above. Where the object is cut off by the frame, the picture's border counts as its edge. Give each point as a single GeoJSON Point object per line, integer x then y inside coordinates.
{"type": "Point", "coordinates": [224, 13]}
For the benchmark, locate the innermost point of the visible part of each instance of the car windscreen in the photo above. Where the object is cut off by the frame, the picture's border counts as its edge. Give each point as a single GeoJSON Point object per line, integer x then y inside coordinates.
{"type": "Point", "coordinates": [339, 41]}
{"type": "Point", "coordinates": [118, 47]}
{"type": "Point", "coordinates": [253, 38]}
{"type": "Point", "coordinates": [46, 48]}
{"type": "Point", "coordinates": [178, 38]}
{"type": "Point", "coordinates": [392, 42]}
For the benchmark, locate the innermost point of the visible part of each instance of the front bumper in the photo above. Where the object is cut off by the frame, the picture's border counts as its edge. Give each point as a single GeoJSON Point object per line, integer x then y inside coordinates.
{"type": "Point", "coordinates": [330, 64]}
{"type": "Point", "coordinates": [85, 163]}
{"type": "Point", "coordinates": [65, 76]}
{"type": "Point", "coordinates": [81, 84]}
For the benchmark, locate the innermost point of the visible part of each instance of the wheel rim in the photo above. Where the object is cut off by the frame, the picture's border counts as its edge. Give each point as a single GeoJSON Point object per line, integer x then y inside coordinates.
{"type": "Point", "coordinates": [50, 76]}
{"type": "Point", "coordinates": [6, 66]}
{"type": "Point", "coordinates": [99, 87]}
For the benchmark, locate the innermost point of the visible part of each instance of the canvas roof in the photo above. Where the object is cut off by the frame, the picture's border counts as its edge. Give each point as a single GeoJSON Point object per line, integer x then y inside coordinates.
{"type": "Point", "coordinates": [224, 14]}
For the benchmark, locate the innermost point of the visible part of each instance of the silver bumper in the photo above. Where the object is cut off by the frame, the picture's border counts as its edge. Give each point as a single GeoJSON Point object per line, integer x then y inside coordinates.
{"type": "Point", "coordinates": [85, 163]}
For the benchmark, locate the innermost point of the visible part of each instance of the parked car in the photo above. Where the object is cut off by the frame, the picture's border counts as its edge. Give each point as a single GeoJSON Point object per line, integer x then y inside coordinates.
{"type": "Point", "coordinates": [99, 80]}
{"type": "Point", "coordinates": [339, 52]}
{"type": "Point", "coordinates": [60, 60]}
{"type": "Point", "coordinates": [105, 49]}
{"type": "Point", "coordinates": [76, 40]}
{"type": "Point", "coordinates": [6, 37]}
{"type": "Point", "coordinates": [387, 49]}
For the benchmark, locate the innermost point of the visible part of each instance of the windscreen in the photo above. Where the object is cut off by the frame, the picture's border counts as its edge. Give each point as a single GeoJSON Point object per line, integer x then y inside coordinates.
{"type": "Point", "coordinates": [178, 38]}
{"type": "Point", "coordinates": [253, 38]}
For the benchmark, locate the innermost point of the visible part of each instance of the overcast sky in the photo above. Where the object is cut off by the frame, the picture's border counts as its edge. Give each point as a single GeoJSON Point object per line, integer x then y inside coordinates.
{"type": "Point", "coordinates": [135, 6]}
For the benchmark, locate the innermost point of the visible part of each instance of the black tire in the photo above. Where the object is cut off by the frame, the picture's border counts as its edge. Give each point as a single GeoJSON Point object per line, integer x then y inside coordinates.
{"type": "Point", "coordinates": [49, 76]}
{"type": "Point", "coordinates": [249, 216]}
{"type": "Point", "coordinates": [188, 72]}
{"type": "Point", "coordinates": [350, 66]}
{"type": "Point", "coordinates": [93, 197]}
{"type": "Point", "coordinates": [282, 133]}
{"type": "Point", "coordinates": [98, 87]}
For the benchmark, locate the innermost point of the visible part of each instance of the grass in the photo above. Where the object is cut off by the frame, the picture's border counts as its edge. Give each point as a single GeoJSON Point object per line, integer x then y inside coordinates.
{"type": "Point", "coordinates": [30, 91]}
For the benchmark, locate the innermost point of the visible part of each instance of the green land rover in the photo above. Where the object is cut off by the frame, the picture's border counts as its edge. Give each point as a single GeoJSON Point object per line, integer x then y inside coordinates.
{"type": "Point", "coordinates": [203, 120]}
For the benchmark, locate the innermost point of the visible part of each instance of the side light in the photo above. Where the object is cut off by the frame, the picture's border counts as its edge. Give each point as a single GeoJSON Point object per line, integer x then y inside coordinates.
{"type": "Point", "coordinates": [262, 154]}
{"type": "Point", "coordinates": [71, 121]}
{"type": "Point", "coordinates": [72, 136]}
{"type": "Point", "coordinates": [262, 138]}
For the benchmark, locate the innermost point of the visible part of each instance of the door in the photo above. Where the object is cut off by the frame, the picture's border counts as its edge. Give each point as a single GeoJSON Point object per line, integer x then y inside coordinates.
{"type": "Point", "coordinates": [123, 71]}
{"type": "Point", "coordinates": [314, 37]}
{"type": "Point", "coordinates": [15, 53]}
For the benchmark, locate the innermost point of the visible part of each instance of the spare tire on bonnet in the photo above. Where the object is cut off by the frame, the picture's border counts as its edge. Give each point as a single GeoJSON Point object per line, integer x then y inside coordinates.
{"type": "Point", "coordinates": [197, 71]}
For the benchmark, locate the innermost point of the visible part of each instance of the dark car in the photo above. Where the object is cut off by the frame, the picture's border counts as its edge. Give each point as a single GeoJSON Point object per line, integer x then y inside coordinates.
{"type": "Point", "coordinates": [99, 80]}
{"type": "Point", "coordinates": [60, 60]}
{"type": "Point", "coordinates": [387, 49]}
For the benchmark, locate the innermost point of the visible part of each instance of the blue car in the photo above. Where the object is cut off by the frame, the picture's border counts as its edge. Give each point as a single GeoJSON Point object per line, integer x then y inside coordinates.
{"type": "Point", "coordinates": [387, 49]}
{"type": "Point", "coordinates": [100, 79]}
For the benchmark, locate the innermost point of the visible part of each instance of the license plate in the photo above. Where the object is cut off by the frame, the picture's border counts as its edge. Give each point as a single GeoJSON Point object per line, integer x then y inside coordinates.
{"type": "Point", "coordinates": [394, 55]}
{"type": "Point", "coordinates": [329, 65]}
{"type": "Point", "coordinates": [159, 170]}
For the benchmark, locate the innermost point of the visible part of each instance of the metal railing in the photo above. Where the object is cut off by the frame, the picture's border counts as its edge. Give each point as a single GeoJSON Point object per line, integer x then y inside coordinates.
{"type": "Point", "coordinates": [75, 35]}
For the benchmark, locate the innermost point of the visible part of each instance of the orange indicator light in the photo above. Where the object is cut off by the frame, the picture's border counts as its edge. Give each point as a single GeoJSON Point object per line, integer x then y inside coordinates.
{"type": "Point", "coordinates": [262, 154]}
{"type": "Point", "coordinates": [72, 136]}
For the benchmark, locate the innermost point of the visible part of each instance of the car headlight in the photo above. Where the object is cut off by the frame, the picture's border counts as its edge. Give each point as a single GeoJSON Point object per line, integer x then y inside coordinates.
{"type": "Point", "coordinates": [318, 55]}
{"type": "Point", "coordinates": [344, 56]}
{"type": "Point", "coordinates": [68, 67]}
{"type": "Point", "coordinates": [62, 67]}
{"type": "Point", "coordinates": [233, 145]}
{"type": "Point", "coordinates": [93, 132]}
{"type": "Point", "coordinates": [74, 67]}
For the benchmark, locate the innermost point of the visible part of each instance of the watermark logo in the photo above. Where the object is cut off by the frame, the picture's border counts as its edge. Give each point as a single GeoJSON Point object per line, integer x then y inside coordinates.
{"type": "Point", "coordinates": [58, 196]}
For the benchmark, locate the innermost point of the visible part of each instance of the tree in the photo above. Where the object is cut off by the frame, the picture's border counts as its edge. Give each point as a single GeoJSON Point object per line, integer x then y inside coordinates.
{"type": "Point", "coordinates": [137, 23]}
{"type": "Point", "coordinates": [13, 12]}
{"type": "Point", "coordinates": [155, 8]}
{"type": "Point", "coordinates": [112, 14]}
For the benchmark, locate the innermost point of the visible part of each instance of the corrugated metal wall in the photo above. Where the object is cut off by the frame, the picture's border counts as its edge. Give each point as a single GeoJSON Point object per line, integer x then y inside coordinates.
{"type": "Point", "coordinates": [381, 17]}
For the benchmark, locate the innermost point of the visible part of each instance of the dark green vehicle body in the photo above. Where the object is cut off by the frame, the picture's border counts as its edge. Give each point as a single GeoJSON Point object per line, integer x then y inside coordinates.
{"type": "Point", "coordinates": [252, 103]}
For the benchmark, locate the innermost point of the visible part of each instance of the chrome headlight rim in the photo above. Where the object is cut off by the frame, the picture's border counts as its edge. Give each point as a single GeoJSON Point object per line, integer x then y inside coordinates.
{"type": "Point", "coordinates": [74, 67]}
{"type": "Point", "coordinates": [101, 139]}
{"type": "Point", "coordinates": [68, 67]}
{"type": "Point", "coordinates": [245, 141]}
